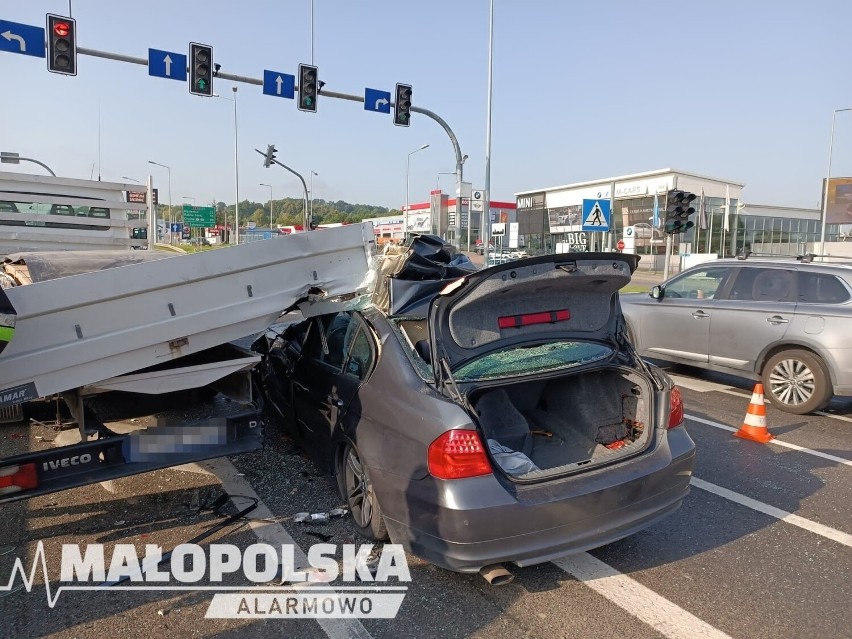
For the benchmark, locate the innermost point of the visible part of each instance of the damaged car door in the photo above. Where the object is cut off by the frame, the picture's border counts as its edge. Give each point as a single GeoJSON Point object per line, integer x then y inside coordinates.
{"type": "Point", "coordinates": [338, 354]}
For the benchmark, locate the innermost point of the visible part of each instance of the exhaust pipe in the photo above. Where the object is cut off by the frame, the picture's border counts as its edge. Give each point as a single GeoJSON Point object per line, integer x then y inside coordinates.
{"type": "Point", "coordinates": [497, 575]}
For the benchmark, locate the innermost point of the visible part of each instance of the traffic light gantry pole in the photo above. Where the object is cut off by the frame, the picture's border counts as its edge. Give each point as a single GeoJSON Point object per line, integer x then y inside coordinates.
{"type": "Point", "coordinates": [323, 93]}
{"type": "Point", "coordinates": [269, 159]}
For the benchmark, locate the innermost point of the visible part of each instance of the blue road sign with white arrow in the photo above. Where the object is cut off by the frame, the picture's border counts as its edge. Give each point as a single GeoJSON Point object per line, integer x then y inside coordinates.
{"type": "Point", "coordinates": [21, 38]}
{"type": "Point", "coordinates": [596, 215]}
{"type": "Point", "coordinates": [377, 101]}
{"type": "Point", "coordinates": [279, 84]}
{"type": "Point", "coordinates": [167, 64]}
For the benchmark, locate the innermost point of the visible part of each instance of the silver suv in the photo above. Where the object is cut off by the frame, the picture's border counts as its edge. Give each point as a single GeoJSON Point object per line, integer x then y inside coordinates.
{"type": "Point", "coordinates": [787, 323]}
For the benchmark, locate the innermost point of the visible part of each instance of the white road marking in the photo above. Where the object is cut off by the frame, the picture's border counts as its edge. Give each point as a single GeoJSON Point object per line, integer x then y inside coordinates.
{"type": "Point", "coordinates": [643, 603]}
{"type": "Point", "coordinates": [268, 531]}
{"type": "Point", "coordinates": [742, 394]}
{"type": "Point", "coordinates": [703, 386]}
{"type": "Point", "coordinates": [840, 417]}
{"type": "Point", "coordinates": [811, 526]}
{"type": "Point", "coordinates": [775, 442]}
{"type": "Point", "coordinates": [699, 385]}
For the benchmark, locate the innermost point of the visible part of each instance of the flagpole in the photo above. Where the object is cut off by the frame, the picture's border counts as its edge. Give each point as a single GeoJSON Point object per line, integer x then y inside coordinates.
{"type": "Point", "coordinates": [709, 247]}
{"type": "Point", "coordinates": [725, 220]}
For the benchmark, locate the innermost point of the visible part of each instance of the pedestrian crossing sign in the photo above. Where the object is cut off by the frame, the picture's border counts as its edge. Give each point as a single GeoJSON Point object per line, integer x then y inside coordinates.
{"type": "Point", "coordinates": [596, 215]}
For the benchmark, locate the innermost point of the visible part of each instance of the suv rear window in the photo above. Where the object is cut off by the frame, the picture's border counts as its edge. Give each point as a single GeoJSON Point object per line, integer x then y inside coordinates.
{"type": "Point", "coordinates": [821, 288]}
{"type": "Point", "coordinates": [763, 285]}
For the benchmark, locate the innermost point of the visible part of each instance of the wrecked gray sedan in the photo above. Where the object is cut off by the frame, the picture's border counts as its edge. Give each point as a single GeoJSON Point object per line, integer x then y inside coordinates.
{"type": "Point", "coordinates": [498, 417]}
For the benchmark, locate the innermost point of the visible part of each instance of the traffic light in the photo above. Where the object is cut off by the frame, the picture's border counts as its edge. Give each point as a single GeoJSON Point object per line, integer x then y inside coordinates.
{"type": "Point", "coordinates": [200, 69]}
{"type": "Point", "coordinates": [678, 209]}
{"type": "Point", "coordinates": [269, 156]}
{"type": "Point", "coordinates": [402, 105]}
{"type": "Point", "coordinates": [61, 45]}
{"type": "Point", "coordinates": [308, 88]}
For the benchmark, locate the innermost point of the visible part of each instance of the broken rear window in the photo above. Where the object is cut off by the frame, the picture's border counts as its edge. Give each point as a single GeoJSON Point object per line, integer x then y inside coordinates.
{"type": "Point", "coordinates": [533, 359]}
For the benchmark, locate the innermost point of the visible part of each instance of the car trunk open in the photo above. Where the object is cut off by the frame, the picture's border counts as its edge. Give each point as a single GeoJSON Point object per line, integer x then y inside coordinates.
{"type": "Point", "coordinates": [543, 427]}
{"type": "Point", "coordinates": [553, 297]}
{"type": "Point", "coordinates": [554, 322]}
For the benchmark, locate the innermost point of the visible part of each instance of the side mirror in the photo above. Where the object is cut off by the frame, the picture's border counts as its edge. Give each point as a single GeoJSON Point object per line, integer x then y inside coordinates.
{"type": "Point", "coordinates": [657, 292]}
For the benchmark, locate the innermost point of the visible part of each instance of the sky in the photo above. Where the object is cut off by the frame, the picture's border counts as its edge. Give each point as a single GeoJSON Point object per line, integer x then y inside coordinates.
{"type": "Point", "coordinates": [742, 90]}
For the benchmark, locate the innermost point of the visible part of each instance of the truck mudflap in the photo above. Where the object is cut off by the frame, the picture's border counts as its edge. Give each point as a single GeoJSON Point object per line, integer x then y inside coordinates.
{"type": "Point", "coordinates": [113, 456]}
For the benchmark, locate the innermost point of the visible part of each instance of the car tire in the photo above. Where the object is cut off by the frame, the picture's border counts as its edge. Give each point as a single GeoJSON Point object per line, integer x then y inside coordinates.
{"type": "Point", "coordinates": [353, 478]}
{"type": "Point", "coordinates": [796, 382]}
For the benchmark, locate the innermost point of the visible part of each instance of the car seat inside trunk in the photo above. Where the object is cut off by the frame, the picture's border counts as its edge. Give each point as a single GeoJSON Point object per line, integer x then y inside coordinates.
{"type": "Point", "coordinates": [577, 420]}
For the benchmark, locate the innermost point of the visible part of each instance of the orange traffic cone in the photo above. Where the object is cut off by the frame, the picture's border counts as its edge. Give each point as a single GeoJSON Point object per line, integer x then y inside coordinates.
{"type": "Point", "coordinates": [754, 424]}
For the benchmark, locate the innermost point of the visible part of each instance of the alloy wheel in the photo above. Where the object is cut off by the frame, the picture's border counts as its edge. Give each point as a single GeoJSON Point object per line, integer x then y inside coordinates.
{"type": "Point", "coordinates": [358, 492]}
{"type": "Point", "coordinates": [792, 381]}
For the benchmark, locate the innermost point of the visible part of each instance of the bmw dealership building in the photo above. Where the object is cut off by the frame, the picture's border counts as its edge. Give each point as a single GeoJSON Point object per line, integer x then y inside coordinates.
{"type": "Point", "coordinates": [550, 219]}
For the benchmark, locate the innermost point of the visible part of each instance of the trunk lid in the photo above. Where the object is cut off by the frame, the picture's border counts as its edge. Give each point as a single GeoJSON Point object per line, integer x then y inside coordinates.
{"type": "Point", "coordinates": [564, 297]}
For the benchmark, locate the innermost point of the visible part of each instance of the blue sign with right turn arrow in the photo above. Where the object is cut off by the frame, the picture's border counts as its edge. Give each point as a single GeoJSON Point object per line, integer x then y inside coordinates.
{"type": "Point", "coordinates": [377, 101]}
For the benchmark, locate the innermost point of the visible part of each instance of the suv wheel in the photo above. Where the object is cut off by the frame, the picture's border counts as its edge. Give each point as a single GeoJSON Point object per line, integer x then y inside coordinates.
{"type": "Point", "coordinates": [796, 382]}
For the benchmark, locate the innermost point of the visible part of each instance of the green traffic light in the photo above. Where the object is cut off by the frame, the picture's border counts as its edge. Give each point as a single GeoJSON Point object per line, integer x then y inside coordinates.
{"type": "Point", "coordinates": [201, 83]}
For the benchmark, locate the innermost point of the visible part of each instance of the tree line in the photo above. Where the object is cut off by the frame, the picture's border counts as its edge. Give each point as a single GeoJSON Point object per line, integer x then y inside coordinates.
{"type": "Point", "coordinates": [290, 212]}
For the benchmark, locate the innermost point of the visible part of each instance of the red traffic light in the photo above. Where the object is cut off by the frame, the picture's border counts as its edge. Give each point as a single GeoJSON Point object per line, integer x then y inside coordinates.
{"type": "Point", "coordinates": [61, 45]}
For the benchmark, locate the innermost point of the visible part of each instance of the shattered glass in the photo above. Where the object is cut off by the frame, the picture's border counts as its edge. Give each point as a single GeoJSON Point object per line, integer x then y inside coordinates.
{"type": "Point", "coordinates": [533, 359]}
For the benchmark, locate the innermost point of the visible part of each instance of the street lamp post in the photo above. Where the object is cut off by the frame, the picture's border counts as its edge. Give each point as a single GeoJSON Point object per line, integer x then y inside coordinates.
{"type": "Point", "coordinates": [827, 179]}
{"type": "Point", "coordinates": [169, 169]}
{"type": "Point", "coordinates": [236, 166]}
{"type": "Point", "coordinates": [311, 214]}
{"type": "Point", "coordinates": [10, 157]}
{"type": "Point", "coordinates": [270, 204]}
{"type": "Point", "coordinates": [485, 216]}
{"type": "Point", "coordinates": [407, 195]}
{"type": "Point", "coordinates": [438, 179]}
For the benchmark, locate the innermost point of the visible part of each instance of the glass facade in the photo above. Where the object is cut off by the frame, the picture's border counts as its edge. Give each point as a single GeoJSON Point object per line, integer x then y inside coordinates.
{"type": "Point", "coordinates": [714, 232]}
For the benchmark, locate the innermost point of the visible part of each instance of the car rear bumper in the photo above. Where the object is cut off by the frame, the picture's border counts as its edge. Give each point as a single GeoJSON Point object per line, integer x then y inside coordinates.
{"type": "Point", "coordinates": [466, 524]}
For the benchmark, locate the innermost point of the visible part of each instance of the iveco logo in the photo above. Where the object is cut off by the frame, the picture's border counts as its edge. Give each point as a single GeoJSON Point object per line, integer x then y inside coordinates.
{"type": "Point", "coordinates": [67, 462]}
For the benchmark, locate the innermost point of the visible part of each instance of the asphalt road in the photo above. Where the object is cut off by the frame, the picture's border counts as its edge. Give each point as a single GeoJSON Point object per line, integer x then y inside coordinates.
{"type": "Point", "coordinates": [762, 546]}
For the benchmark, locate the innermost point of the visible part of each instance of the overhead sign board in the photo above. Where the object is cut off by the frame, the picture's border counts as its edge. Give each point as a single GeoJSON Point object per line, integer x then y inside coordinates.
{"type": "Point", "coordinates": [596, 215]}
{"type": "Point", "coordinates": [199, 216]}
{"type": "Point", "coordinates": [21, 38]}
{"type": "Point", "coordinates": [167, 64]}
{"type": "Point", "coordinates": [377, 101]}
{"type": "Point", "coordinates": [282, 85]}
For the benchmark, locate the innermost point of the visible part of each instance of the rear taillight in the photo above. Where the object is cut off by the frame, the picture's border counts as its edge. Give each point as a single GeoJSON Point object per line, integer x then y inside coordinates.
{"type": "Point", "coordinates": [457, 454]}
{"type": "Point", "coordinates": [675, 408]}
{"type": "Point", "coordinates": [14, 479]}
